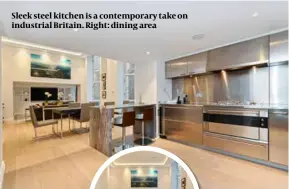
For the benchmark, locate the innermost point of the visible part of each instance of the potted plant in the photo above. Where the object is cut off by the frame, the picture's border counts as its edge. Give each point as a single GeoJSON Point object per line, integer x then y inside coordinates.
{"type": "Point", "coordinates": [60, 98]}
{"type": "Point", "coordinates": [48, 95]}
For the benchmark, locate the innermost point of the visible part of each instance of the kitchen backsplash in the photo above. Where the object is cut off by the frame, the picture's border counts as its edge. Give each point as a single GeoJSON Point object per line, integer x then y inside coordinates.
{"type": "Point", "coordinates": [251, 84]}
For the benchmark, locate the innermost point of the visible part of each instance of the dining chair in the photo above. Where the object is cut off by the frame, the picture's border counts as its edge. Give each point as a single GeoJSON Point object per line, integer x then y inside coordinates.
{"type": "Point", "coordinates": [84, 114]}
{"type": "Point", "coordinates": [74, 105]}
{"type": "Point", "coordinates": [96, 103]}
{"type": "Point", "coordinates": [36, 124]}
{"type": "Point", "coordinates": [109, 103]}
{"type": "Point", "coordinates": [120, 111]}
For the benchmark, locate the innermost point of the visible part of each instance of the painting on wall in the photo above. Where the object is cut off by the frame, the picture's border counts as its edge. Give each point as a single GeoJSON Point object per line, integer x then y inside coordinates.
{"type": "Point", "coordinates": [40, 68]}
{"type": "Point", "coordinates": [149, 180]}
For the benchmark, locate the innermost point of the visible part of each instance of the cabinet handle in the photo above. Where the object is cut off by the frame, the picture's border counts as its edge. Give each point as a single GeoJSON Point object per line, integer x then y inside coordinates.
{"type": "Point", "coordinates": [283, 113]}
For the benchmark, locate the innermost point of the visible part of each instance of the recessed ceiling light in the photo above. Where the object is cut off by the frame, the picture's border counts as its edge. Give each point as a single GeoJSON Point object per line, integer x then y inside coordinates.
{"type": "Point", "coordinates": [255, 14]}
{"type": "Point", "coordinates": [148, 53]}
{"type": "Point", "coordinates": [75, 29]}
{"type": "Point", "coordinates": [198, 36]}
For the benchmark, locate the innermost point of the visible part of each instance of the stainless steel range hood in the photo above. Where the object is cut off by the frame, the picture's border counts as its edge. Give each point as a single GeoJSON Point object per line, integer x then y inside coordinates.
{"type": "Point", "coordinates": [248, 53]}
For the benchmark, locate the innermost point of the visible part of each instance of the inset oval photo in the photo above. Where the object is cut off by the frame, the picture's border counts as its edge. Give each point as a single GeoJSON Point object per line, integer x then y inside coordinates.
{"type": "Point", "coordinates": [144, 167]}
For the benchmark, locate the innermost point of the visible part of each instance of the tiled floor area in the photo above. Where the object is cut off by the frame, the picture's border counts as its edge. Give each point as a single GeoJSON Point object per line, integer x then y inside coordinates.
{"type": "Point", "coordinates": [54, 163]}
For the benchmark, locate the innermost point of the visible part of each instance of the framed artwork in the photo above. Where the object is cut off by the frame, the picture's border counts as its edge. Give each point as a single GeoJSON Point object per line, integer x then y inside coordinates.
{"type": "Point", "coordinates": [103, 94]}
{"type": "Point", "coordinates": [103, 77]}
{"type": "Point", "coordinates": [144, 181]}
{"type": "Point", "coordinates": [42, 68]}
{"type": "Point", "coordinates": [103, 85]}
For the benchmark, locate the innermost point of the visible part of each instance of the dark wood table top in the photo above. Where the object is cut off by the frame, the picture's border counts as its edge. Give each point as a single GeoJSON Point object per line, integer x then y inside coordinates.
{"type": "Point", "coordinates": [62, 110]}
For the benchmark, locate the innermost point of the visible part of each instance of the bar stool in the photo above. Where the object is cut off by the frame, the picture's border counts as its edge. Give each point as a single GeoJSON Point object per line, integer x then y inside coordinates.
{"type": "Point", "coordinates": [127, 119]}
{"type": "Point", "coordinates": [146, 115]}
{"type": "Point", "coordinates": [119, 111]}
{"type": "Point", "coordinates": [109, 103]}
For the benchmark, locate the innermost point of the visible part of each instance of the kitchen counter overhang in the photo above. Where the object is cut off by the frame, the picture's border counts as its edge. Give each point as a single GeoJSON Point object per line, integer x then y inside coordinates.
{"type": "Point", "coordinates": [101, 123]}
{"type": "Point", "coordinates": [257, 106]}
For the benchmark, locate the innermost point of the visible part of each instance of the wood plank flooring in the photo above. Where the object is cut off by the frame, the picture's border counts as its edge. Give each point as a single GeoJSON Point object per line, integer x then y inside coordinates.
{"type": "Point", "coordinates": [70, 163]}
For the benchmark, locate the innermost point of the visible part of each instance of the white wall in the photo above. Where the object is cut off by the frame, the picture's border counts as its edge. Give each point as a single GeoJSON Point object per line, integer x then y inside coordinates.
{"type": "Point", "coordinates": [151, 84]}
{"type": "Point", "coordinates": [120, 83]}
{"type": "Point", "coordinates": [164, 86]}
{"type": "Point", "coordinates": [120, 177]}
{"type": "Point", "coordinates": [146, 82]}
{"type": "Point", "coordinates": [16, 68]}
{"type": "Point", "coordinates": [1, 113]}
{"type": "Point", "coordinates": [114, 80]}
{"type": "Point", "coordinates": [89, 78]}
{"type": "Point", "coordinates": [189, 184]}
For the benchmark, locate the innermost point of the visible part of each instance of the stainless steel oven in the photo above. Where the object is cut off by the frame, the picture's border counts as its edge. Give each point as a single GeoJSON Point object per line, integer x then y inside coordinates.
{"type": "Point", "coordinates": [238, 130]}
{"type": "Point", "coordinates": [244, 123]}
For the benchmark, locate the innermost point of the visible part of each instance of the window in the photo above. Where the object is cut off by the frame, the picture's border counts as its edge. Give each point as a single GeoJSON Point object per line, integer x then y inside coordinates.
{"type": "Point", "coordinates": [96, 78]}
{"type": "Point", "coordinates": [129, 71]}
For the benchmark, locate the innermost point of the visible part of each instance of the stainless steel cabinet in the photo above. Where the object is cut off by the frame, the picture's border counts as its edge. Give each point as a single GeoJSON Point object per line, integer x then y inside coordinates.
{"type": "Point", "coordinates": [278, 136]}
{"type": "Point", "coordinates": [278, 84]}
{"type": "Point", "coordinates": [183, 124]}
{"type": "Point", "coordinates": [176, 68]}
{"type": "Point", "coordinates": [236, 145]}
{"type": "Point", "coordinates": [247, 53]}
{"type": "Point", "coordinates": [279, 47]}
{"type": "Point", "coordinates": [197, 63]}
{"type": "Point", "coordinates": [190, 65]}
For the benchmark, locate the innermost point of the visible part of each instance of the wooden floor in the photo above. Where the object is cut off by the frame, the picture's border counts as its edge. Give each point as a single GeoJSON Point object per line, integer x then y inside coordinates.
{"type": "Point", "coordinates": [53, 163]}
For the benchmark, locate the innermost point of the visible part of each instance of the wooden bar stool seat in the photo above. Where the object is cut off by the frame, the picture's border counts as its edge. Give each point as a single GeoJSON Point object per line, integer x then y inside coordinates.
{"type": "Point", "coordinates": [127, 120]}
{"type": "Point", "coordinates": [146, 115]}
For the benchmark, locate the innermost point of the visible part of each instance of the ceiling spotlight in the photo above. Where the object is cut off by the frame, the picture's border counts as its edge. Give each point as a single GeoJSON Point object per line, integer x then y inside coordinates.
{"type": "Point", "coordinates": [198, 36]}
{"type": "Point", "coordinates": [75, 29]}
{"type": "Point", "coordinates": [255, 14]}
{"type": "Point", "coordinates": [148, 53]}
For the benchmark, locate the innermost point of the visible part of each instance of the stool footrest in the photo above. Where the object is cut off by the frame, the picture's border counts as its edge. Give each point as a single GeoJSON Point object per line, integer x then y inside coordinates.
{"type": "Point", "coordinates": [146, 141]}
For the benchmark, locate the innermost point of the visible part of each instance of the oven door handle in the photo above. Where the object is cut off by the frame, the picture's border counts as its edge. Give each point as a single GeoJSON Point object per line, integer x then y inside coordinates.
{"type": "Point", "coordinates": [234, 112]}
{"type": "Point", "coordinates": [279, 112]}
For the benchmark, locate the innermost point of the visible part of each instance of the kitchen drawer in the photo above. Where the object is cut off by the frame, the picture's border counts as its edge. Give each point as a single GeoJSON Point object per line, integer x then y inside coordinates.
{"type": "Point", "coordinates": [187, 114]}
{"type": "Point", "coordinates": [238, 146]}
{"type": "Point", "coordinates": [184, 131]}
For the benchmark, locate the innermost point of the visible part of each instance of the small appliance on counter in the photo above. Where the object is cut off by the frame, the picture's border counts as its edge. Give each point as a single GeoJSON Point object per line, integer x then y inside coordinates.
{"type": "Point", "coordinates": [185, 99]}
{"type": "Point", "coordinates": [179, 100]}
{"type": "Point", "coordinates": [182, 99]}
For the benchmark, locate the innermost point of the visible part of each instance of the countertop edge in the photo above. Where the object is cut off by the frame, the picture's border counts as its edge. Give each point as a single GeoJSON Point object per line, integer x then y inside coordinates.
{"type": "Point", "coordinates": [229, 106]}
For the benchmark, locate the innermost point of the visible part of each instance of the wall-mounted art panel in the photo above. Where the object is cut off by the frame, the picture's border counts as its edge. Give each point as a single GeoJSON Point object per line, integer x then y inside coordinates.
{"type": "Point", "coordinates": [149, 180]}
{"type": "Point", "coordinates": [40, 67]}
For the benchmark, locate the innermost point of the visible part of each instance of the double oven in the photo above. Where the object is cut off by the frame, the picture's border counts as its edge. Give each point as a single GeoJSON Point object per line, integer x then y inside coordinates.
{"type": "Point", "coordinates": [238, 130]}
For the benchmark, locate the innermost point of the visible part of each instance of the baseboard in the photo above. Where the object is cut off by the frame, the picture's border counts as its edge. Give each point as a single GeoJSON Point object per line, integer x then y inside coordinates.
{"type": "Point", "coordinates": [2, 171]}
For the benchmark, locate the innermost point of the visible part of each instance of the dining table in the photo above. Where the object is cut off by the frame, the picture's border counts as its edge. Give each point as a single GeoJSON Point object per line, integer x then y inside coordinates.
{"type": "Point", "coordinates": [61, 111]}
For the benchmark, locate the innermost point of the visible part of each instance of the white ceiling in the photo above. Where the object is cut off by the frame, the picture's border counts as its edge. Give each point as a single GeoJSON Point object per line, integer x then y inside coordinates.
{"type": "Point", "coordinates": [142, 158]}
{"type": "Point", "coordinates": [221, 22]}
